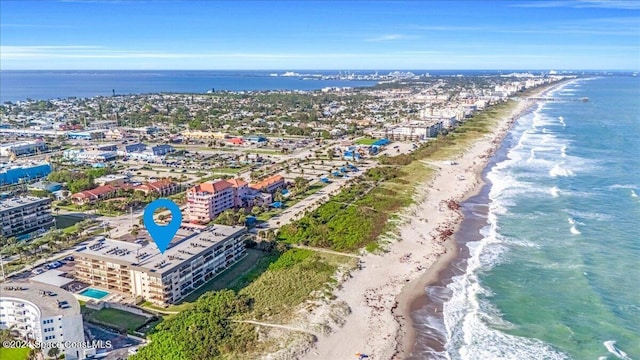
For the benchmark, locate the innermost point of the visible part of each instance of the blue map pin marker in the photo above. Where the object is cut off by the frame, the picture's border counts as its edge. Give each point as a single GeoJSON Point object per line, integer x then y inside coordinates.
{"type": "Point", "coordinates": [162, 234]}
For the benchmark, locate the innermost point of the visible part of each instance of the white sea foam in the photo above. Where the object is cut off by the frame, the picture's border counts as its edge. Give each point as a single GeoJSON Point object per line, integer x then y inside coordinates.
{"type": "Point", "coordinates": [555, 192]}
{"type": "Point", "coordinates": [562, 121]}
{"type": "Point", "coordinates": [563, 151]}
{"type": "Point", "coordinates": [558, 170]}
{"type": "Point", "coordinates": [612, 348]}
{"type": "Point", "coordinates": [573, 229]}
{"type": "Point", "coordinates": [589, 215]}
{"type": "Point", "coordinates": [623, 186]}
{"type": "Point", "coordinates": [472, 323]}
{"type": "Point", "coordinates": [633, 194]}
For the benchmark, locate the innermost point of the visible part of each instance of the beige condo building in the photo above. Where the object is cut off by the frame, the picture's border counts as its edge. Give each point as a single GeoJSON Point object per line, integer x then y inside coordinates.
{"type": "Point", "coordinates": [139, 269]}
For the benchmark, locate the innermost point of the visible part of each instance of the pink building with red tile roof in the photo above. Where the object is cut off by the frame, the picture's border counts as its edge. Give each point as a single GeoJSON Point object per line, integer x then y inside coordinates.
{"type": "Point", "coordinates": [207, 200]}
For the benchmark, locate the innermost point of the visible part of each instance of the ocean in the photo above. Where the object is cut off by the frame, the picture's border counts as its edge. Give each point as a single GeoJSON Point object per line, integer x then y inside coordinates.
{"type": "Point", "coordinates": [20, 85]}
{"type": "Point", "coordinates": [550, 248]}
{"type": "Point", "coordinates": [44, 85]}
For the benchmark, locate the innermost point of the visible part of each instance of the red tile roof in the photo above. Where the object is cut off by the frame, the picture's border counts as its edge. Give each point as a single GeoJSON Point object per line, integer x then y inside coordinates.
{"type": "Point", "coordinates": [266, 182]}
{"type": "Point", "coordinates": [237, 182]}
{"type": "Point", "coordinates": [211, 186]}
{"type": "Point", "coordinates": [97, 192]}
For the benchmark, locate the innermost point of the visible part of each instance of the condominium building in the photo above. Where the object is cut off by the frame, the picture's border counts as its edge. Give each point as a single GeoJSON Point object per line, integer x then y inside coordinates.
{"type": "Point", "coordinates": [207, 200]}
{"type": "Point", "coordinates": [416, 130]}
{"type": "Point", "coordinates": [164, 187]}
{"type": "Point", "coordinates": [24, 215]}
{"type": "Point", "coordinates": [241, 191]}
{"type": "Point", "coordinates": [93, 195]}
{"type": "Point", "coordinates": [45, 314]}
{"type": "Point", "coordinates": [270, 184]}
{"type": "Point", "coordinates": [141, 270]}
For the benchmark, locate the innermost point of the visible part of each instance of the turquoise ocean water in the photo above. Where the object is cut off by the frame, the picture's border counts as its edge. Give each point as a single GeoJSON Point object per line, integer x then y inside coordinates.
{"type": "Point", "coordinates": [555, 273]}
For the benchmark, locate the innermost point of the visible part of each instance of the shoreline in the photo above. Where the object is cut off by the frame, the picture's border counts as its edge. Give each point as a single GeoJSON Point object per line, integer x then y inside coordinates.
{"type": "Point", "coordinates": [382, 295]}
{"type": "Point", "coordinates": [413, 297]}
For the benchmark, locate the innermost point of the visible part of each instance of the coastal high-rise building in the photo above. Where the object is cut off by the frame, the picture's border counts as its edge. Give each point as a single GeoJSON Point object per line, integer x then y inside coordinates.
{"type": "Point", "coordinates": [45, 314]}
{"type": "Point", "coordinates": [24, 215]}
{"type": "Point", "coordinates": [207, 200]}
{"type": "Point", "coordinates": [139, 269]}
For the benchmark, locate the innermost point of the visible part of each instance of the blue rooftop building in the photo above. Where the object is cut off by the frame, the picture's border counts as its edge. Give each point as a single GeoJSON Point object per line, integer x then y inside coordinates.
{"type": "Point", "coordinates": [135, 147]}
{"type": "Point", "coordinates": [160, 150]}
{"type": "Point", "coordinates": [23, 173]}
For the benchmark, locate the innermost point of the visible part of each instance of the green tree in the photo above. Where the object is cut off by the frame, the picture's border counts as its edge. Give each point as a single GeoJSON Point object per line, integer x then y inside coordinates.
{"type": "Point", "coordinates": [301, 184]}
{"type": "Point", "coordinates": [53, 352]}
{"type": "Point", "coordinates": [330, 153]}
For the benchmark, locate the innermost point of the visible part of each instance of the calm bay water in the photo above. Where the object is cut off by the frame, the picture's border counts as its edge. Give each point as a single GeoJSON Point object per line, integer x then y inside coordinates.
{"type": "Point", "coordinates": [42, 85]}
{"type": "Point", "coordinates": [554, 274]}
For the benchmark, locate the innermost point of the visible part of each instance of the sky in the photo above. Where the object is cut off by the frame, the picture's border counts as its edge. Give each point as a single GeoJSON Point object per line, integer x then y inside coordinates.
{"type": "Point", "coordinates": [295, 35]}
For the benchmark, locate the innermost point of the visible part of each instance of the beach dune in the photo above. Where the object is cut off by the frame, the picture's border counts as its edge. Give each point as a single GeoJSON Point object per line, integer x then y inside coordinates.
{"type": "Point", "coordinates": [381, 294]}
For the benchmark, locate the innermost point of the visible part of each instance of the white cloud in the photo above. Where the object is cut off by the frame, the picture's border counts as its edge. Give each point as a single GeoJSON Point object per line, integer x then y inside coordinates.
{"type": "Point", "coordinates": [99, 52]}
{"type": "Point", "coordinates": [390, 37]}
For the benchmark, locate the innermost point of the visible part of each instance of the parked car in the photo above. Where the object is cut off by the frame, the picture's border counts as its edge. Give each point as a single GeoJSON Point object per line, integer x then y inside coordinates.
{"type": "Point", "coordinates": [69, 258]}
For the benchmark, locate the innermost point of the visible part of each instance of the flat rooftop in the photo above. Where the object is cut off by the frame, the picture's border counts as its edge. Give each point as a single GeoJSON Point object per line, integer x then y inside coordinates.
{"type": "Point", "coordinates": [10, 203]}
{"type": "Point", "coordinates": [44, 296]}
{"type": "Point", "coordinates": [145, 256]}
{"type": "Point", "coordinates": [20, 165]}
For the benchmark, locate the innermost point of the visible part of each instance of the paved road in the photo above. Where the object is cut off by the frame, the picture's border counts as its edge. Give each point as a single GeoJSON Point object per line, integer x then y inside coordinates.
{"type": "Point", "coordinates": [311, 202]}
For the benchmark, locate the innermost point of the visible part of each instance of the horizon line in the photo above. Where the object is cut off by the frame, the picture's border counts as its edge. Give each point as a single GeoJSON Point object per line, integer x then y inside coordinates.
{"type": "Point", "coordinates": [336, 69]}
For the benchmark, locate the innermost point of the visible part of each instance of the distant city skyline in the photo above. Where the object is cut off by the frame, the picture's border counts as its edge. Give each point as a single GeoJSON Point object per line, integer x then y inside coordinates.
{"type": "Point", "coordinates": [292, 35]}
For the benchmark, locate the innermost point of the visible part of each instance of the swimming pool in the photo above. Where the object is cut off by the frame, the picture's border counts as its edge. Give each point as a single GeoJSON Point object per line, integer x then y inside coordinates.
{"type": "Point", "coordinates": [94, 293]}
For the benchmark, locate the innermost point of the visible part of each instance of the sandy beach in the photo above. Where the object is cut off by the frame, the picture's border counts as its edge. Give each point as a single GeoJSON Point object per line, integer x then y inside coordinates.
{"type": "Point", "coordinates": [382, 294]}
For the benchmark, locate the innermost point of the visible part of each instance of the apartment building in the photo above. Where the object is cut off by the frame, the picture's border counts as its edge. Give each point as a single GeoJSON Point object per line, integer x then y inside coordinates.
{"type": "Point", "coordinates": [24, 215]}
{"type": "Point", "coordinates": [93, 195]}
{"type": "Point", "coordinates": [45, 314]}
{"type": "Point", "coordinates": [270, 184]}
{"type": "Point", "coordinates": [141, 270]}
{"type": "Point", "coordinates": [416, 130]}
{"type": "Point", "coordinates": [241, 191]}
{"type": "Point", "coordinates": [207, 200]}
{"type": "Point", "coordinates": [164, 187]}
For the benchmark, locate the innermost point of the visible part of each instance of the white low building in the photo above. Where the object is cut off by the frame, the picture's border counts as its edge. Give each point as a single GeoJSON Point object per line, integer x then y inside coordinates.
{"type": "Point", "coordinates": [44, 314]}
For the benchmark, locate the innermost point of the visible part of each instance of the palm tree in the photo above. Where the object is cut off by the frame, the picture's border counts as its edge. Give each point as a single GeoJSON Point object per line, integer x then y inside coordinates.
{"type": "Point", "coordinates": [33, 355]}
{"type": "Point", "coordinates": [53, 352]}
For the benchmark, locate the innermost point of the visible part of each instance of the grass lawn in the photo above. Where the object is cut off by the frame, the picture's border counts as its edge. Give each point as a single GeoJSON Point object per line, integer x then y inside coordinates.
{"type": "Point", "coordinates": [14, 353]}
{"type": "Point", "coordinates": [366, 141]}
{"type": "Point", "coordinates": [65, 221]}
{"type": "Point", "coordinates": [116, 318]}
{"type": "Point", "coordinates": [269, 214]}
{"type": "Point", "coordinates": [101, 231]}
